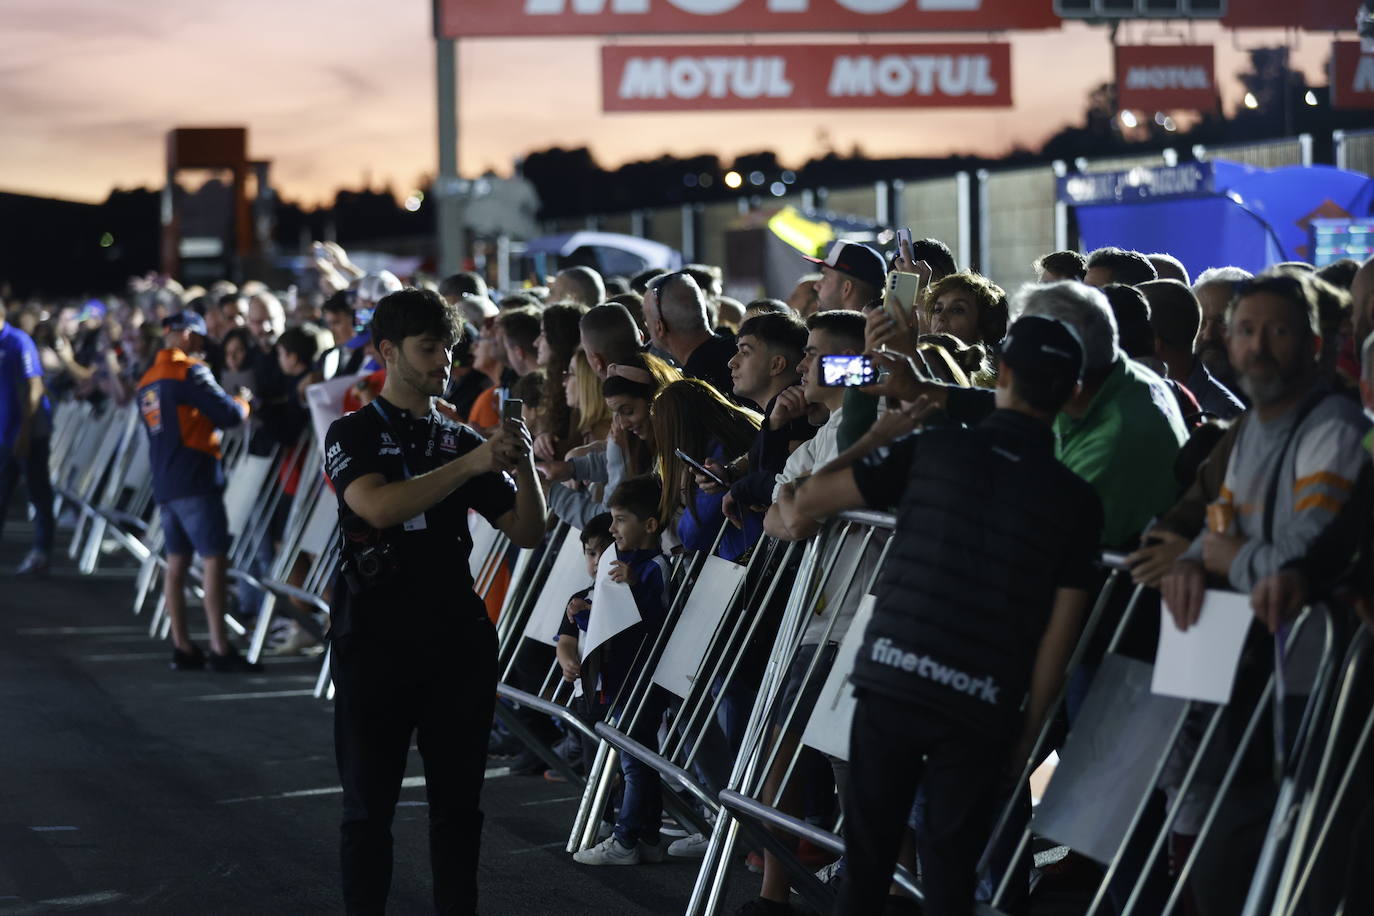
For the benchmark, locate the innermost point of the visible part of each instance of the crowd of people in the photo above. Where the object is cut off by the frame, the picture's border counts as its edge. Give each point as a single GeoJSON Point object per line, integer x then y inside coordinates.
{"type": "Point", "coordinates": [1210, 428]}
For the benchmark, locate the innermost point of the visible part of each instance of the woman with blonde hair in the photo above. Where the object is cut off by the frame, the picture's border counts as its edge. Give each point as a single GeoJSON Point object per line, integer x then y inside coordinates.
{"type": "Point", "coordinates": [583, 391]}
{"type": "Point", "coordinates": [690, 415]}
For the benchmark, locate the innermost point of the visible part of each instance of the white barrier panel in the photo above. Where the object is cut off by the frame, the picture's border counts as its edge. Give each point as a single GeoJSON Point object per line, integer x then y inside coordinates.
{"type": "Point", "coordinates": [1109, 760]}
{"type": "Point", "coordinates": [828, 729]}
{"type": "Point", "coordinates": [245, 485]}
{"type": "Point", "coordinates": [568, 575]}
{"type": "Point", "coordinates": [483, 537]}
{"type": "Point", "coordinates": [711, 596]}
{"type": "Point", "coordinates": [325, 401]}
{"type": "Point", "coordinates": [324, 521]}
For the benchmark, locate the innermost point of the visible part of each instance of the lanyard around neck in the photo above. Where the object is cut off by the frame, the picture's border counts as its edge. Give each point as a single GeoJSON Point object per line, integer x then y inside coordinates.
{"type": "Point", "coordinates": [400, 445]}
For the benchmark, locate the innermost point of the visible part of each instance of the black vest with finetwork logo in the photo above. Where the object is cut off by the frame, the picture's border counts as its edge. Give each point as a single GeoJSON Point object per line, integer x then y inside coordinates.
{"type": "Point", "coordinates": [989, 526]}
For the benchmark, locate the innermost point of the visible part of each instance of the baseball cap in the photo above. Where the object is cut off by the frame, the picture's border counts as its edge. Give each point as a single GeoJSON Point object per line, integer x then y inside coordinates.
{"type": "Point", "coordinates": [858, 261]}
{"type": "Point", "coordinates": [93, 308]}
{"type": "Point", "coordinates": [185, 320]}
{"type": "Point", "coordinates": [1044, 346]}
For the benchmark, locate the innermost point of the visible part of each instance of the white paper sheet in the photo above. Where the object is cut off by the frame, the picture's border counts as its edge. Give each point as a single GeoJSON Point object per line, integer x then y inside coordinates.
{"type": "Point", "coordinates": [713, 593]}
{"type": "Point", "coordinates": [613, 606]}
{"type": "Point", "coordinates": [567, 576]}
{"type": "Point", "coordinates": [828, 728]}
{"type": "Point", "coordinates": [325, 401]}
{"type": "Point", "coordinates": [1201, 663]}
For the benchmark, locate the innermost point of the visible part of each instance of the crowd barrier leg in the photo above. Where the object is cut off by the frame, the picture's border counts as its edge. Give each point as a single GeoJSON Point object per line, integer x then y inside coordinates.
{"type": "Point", "coordinates": [711, 876]}
{"type": "Point", "coordinates": [1295, 763]}
{"type": "Point", "coordinates": [1304, 858]}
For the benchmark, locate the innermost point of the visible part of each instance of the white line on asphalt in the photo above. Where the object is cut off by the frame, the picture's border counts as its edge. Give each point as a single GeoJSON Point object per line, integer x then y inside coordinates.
{"type": "Point", "coordinates": [550, 801]}
{"type": "Point", "coordinates": [410, 782]}
{"type": "Point", "coordinates": [260, 695]}
{"type": "Point", "coordinates": [84, 899]}
{"type": "Point", "coordinates": [72, 631]}
{"type": "Point", "coordinates": [516, 852]}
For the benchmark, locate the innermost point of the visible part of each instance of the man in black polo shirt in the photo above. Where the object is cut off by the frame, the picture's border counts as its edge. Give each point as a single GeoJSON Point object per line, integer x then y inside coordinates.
{"type": "Point", "coordinates": [675, 312]}
{"type": "Point", "coordinates": [978, 605]}
{"type": "Point", "coordinates": [413, 650]}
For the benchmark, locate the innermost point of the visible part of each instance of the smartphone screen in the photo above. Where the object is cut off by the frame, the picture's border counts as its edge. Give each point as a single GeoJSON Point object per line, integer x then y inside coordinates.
{"type": "Point", "coordinates": [844, 371]}
{"type": "Point", "coordinates": [511, 410]}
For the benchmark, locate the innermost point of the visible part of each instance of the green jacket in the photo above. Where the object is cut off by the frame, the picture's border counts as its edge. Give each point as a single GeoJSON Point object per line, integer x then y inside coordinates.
{"type": "Point", "coordinates": [1125, 445]}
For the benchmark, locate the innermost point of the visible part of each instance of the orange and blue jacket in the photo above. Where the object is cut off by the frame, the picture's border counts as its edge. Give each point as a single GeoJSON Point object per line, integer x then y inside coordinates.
{"type": "Point", "coordinates": [183, 410]}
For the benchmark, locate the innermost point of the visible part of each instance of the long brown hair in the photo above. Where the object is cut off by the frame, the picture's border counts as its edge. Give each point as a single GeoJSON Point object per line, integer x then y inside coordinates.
{"type": "Point", "coordinates": [559, 324]}
{"type": "Point", "coordinates": [691, 415]}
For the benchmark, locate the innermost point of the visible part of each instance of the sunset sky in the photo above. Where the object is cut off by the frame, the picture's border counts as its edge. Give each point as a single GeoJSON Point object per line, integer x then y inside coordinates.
{"type": "Point", "coordinates": [340, 93]}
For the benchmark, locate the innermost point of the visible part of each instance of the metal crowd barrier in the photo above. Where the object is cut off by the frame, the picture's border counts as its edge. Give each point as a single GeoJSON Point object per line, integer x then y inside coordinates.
{"type": "Point", "coordinates": [1321, 727]}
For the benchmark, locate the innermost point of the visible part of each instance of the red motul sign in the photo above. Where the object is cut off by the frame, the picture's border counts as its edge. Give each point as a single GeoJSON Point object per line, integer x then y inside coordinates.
{"type": "Point", "coordinates": [1352, 76]}
{"type": "Point", "coordinates": [1165, 77]}
{"type": "Point", "coordinates": [711, 77]}
{"type": "Point", "coordinates": [475, 18]}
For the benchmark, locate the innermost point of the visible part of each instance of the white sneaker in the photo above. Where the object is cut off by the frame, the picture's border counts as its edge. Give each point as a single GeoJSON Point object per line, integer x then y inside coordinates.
{"type": "Point", "coordinates": [690, 847]}
{"type": "Point", "coordinates": [35, 563]}
{"type": "Point", "coordinates": [608, 852]}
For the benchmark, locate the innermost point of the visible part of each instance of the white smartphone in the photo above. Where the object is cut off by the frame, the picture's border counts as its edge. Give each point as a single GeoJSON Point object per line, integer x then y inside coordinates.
{"type": "Point", "coordinates": [899, 296]}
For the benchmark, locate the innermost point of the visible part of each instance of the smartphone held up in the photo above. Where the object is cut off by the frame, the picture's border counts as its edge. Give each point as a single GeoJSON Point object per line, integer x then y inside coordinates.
{"type": "Point", "coordinates": [841, 370]}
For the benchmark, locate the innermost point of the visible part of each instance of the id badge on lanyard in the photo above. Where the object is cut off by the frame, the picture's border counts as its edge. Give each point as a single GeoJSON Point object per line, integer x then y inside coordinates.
{"type": "Point", "coordinates": [417, 523]}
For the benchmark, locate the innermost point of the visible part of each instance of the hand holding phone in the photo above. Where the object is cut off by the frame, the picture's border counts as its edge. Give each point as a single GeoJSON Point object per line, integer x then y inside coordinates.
{"type": "Point", "coordinates": [701, 469]}
{"type": "Point", "coordinates": [900, 294]}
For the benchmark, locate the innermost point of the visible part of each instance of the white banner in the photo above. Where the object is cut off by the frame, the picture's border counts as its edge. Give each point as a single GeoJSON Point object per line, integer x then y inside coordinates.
{"type": "Point", "coordinates": [712, 595]}
{"type": "Point", "coordinates": [326, 400]}
{"type": "Point", "coordinates": [828, 729]}
{"type": "Point", "coordinates": [567, 577]}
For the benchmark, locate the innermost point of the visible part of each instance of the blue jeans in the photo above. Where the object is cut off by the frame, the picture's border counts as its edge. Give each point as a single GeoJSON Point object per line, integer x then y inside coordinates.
{"type": "Point", "coordinates": [34, 467]}
{"type": "Point", "coordinates": [641, 809]}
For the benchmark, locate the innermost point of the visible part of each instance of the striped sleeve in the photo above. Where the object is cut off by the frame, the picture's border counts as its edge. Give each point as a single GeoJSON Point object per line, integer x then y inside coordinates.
{"type": "Point", "coordinates": [1327, 461]}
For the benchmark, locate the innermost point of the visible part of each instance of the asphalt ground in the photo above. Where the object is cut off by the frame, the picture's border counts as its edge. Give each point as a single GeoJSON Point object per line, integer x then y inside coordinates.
{"type": "Point", "coordinates": [126, 787]}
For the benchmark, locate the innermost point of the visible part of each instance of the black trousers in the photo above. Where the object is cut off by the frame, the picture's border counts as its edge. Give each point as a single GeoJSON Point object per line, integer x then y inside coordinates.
{"type": "Point", "coordinates": [443, 692]}
{"type": "Point", "coordinates": [893, 748]}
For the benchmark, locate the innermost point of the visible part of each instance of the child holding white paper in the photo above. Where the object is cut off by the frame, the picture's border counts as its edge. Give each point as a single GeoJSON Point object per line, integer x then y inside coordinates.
{"type": "Point", "coordinates": [640, 564]}
{"type": "Point", "coordinates": [589, 704]}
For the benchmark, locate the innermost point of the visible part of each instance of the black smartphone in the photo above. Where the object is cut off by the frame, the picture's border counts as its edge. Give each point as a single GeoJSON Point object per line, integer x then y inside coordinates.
{"type": "Point", "coordinates": [511, 409]}
{"type": "Point", "coordinates": [843, 371]}
{"type": "Point", "coordinates": [700, 468]}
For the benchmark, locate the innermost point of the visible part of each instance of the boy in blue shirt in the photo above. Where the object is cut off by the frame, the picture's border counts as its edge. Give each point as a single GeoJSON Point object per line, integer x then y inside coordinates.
{"type": "Point", "coordinates": [635, 527]}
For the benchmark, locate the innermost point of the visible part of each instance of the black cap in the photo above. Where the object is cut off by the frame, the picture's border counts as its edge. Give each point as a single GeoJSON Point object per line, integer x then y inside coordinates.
{"type": "Point", "coordinates": [858, 261]}
{"type": "Point", "coordinates": [1044, 346]}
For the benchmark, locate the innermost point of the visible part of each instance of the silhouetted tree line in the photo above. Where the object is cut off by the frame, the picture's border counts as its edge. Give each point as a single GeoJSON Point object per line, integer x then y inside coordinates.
{"type": "Point", "coordinates": [57, 245]}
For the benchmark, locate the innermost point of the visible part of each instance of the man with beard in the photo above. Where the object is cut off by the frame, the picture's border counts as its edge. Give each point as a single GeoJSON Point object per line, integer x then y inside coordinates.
{"type": "Point", "coordinates": [1294, 462]}
{"type": "Point", "coordinates": [1214, 289]}
{"type": "Point", "coordinates": [414, 652]}
{"type": "Point", "coordinates": [1291, 472]}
